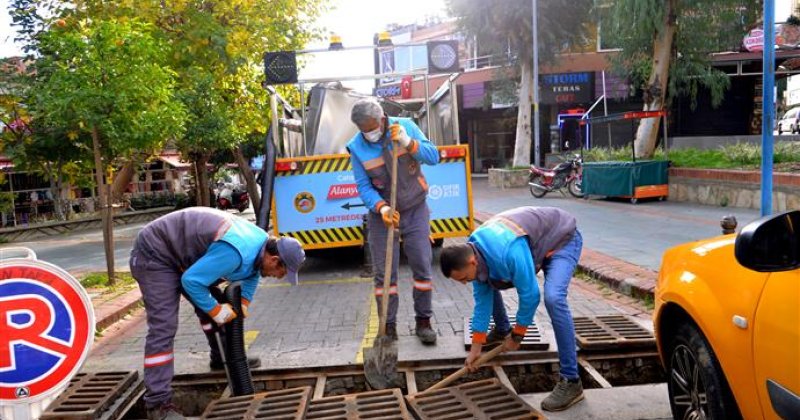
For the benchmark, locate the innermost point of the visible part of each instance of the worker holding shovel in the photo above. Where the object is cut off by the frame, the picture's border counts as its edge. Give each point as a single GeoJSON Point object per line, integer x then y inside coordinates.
{"type": "Point", "coordinates": [371, 155]}
{"type": "Point", "coordinates": [507, 251]}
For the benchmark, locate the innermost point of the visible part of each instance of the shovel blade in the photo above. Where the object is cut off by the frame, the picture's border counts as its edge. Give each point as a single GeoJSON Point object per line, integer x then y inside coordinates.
{"type": "Point", "coordinates": [380, 364]}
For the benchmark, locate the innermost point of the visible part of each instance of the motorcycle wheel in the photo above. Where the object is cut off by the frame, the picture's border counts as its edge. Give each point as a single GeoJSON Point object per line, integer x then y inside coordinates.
{"type": "Point", "coordinates": [574, 188]}
{"type": "Point", "coordinates": [535, 191]}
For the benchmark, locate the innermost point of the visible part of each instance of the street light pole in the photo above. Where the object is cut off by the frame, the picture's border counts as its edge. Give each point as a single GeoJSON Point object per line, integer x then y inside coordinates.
{"type": "Point", "coordinates": [536, 139]}
{"type": "Point", "coordinates": [768, 107]}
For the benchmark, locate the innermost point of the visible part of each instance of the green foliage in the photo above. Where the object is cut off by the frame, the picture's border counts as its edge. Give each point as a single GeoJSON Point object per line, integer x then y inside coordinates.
{"type": "Point", "coordinates": [96, 280]}
{"type": "Point", "coordinates": [109, 75]}
{"type": "Point", "coordinates": [703, 27]}
{"type": "Point", "coordinates": [6, 202]}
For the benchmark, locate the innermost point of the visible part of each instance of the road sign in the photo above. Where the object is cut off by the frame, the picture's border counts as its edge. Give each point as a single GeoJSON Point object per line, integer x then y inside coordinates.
{"type": "Point", "coordinates": [46, 331]}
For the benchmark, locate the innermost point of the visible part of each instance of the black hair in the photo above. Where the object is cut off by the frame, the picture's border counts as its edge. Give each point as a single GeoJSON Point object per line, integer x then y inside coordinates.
{"type": "Point", "coordinates": [454, 257]}
{"type": "Point", "coordinates": [271, 246]}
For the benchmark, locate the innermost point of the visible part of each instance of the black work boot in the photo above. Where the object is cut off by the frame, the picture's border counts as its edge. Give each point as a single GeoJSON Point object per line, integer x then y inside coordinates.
{"type": "Point", "coordinates": [565, 394]}
{"type": "Point", "coordinates": [425, 332]}
{"type": "Point", "coordinates": [496, 337]}
{"type": "Point", "coordinates": [216, 363]}
{"type": "Point", "coordinates": [164, 412]}
{"type": "Point", "coordinates": [391, 331]}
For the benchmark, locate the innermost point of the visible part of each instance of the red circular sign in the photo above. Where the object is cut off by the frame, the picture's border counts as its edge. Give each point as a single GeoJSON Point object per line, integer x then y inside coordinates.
{"type": "Point", "coordinates": [46, 329]}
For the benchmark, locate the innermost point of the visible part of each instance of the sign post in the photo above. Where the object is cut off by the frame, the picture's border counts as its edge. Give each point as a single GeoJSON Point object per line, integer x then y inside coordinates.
{"type": "Point", "coordinates": [768, 103]}
{"type": "Point", "coordinates": [46, 332]}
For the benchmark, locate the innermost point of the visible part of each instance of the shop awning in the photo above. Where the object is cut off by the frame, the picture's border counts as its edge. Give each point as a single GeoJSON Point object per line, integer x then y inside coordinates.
{"type": "Point", "coordinates": [174, 161]}
{"type": "Point", "coordinates": [787, 63]}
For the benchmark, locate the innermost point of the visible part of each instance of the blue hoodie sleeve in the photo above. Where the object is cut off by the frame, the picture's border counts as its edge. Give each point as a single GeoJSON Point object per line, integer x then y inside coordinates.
{"type": "Point", "coordinates": [368, 194]}
{"type": "Point", "coordinates": [484, 299]}
{"type": "Point", "coordinates": [520, 262]}
{"type": "Point", "coordinates": [220, 260]}
{"type": "Point", "coordinates": [421, 148]}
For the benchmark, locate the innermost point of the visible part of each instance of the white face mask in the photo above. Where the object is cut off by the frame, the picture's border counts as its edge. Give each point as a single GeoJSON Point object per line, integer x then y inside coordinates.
{"type": "Point", "coordinates": [374, 135]}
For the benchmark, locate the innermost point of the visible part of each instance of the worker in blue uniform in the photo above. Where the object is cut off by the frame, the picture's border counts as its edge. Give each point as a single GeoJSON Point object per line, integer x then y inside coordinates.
{"type": "Point", "coordinates": [506, 252]}
{"type": "Point", "coordinates": [371, 156]}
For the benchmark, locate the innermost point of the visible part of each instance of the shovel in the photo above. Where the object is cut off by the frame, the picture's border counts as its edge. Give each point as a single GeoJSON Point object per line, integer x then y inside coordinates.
{"type": "Point", "coordinates": [459, 373]}
{"type": "Point", "coordinates": [380, 361]}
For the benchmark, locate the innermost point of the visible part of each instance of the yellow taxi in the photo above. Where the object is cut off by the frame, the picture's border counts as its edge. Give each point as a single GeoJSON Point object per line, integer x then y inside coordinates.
{"type": "Point", "coordinates": [727, 320]}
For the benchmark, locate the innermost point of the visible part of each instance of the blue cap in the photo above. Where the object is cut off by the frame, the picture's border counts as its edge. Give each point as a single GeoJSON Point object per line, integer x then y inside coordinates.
{"type": "Point", "coordinates": [292, 255]}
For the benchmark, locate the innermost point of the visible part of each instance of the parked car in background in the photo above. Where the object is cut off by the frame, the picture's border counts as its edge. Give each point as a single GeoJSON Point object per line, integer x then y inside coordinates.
{"type": "Point", "coordinates": [790, 122]}
{"type": "Point", "coordinates": [727, 320]}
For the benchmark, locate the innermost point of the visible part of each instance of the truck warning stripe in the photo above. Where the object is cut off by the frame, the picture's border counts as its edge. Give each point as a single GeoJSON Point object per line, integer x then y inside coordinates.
{"type": "Point", "coordinates": [327, 236]}
{"type": "Point", "coordinates": [457, 224]}
{"type": "Point", "coordinates": [319, 166]}
{"type": "Point", "coordinates": [453, 160]}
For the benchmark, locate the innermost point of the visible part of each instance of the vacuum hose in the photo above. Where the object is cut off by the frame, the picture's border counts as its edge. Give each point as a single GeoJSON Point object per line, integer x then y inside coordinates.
{"type": "Point", "coordinates": [238, 369]}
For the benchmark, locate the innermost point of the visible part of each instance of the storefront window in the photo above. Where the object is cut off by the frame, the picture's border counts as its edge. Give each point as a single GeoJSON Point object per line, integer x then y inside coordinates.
{"type": "Point", "coordinates": [492, 143]}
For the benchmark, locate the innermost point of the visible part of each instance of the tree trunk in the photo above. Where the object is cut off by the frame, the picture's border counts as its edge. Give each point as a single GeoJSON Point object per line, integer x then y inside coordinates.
{"type": "Point", "coordinates": [55, 191]}
{"type": "Point", "coordinates": [522, 144]}
{"type": "Point", "coordinates": [656, 90]}
{"type": "Point", "coordinates": [123, 178]}
{"type": "Point", "coordinates": [105, 207]}
{"type": "Point", "coordinates": [201, 180]}
{"type": "Point", "coordinates": [249, 178]}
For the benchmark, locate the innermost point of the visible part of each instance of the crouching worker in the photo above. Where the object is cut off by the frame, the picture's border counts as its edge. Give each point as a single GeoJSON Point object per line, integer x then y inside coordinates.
{"type": "Point", "coordinates": [507, 251]}
{"type": "Point", "coordinates": [185, 252]}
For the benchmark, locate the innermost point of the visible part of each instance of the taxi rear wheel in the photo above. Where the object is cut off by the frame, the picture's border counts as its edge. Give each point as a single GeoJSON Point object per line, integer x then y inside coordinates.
{"type": "Point", "coordinates": [697, 386]}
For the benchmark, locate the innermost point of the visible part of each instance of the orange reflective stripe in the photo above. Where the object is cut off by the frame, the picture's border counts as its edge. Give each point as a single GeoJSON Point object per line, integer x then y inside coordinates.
{"type": "Point", "coordinates": [423, 285]}
{"type": "Point", "coordinates": [374, 163]}
{"type": "Point", "coordinates": [222, 229]}
{"type": "Point", "coordinates": [379, 291]}
{"type": "Point", "coordinates": [422, 182]}
{"type": "Point", "coordinates": [511, 225]}
{"type": "Point", "coordinates": [158, 359]}
{"type": "Point", "coordinates": [413, 147]}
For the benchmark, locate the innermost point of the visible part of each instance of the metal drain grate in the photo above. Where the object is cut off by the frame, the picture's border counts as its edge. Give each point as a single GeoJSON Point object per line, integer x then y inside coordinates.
{"type": "Point", "coordinates": [287, 404]}
{"type": "Point", "coordinates": [90, 394]}
{"type": "Point", "coordinates": [533, 337]}
{"type": "Point", "coordinates": [486, 400]}
{"type": "Point", "coordinates": [611, 331]}
{"type": "Point", "coordinates": [375, 405]}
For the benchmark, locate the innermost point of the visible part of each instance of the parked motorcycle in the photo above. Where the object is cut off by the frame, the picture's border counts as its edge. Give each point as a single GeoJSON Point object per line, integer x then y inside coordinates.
{"type": "Point", "coordinates": [233, 197]}
{"type": "Point", "coordinates": [566, 174]}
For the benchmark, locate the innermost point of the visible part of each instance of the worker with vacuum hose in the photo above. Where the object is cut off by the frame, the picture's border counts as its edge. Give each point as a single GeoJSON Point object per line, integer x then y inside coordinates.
{"type": "Point", "coordinates": [186, 252]}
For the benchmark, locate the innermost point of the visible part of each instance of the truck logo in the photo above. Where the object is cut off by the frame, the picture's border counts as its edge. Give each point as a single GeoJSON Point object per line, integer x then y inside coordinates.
{"type": "Point", "coordinates": [304, 202]}
{"type": "Point", "coordinates": [337, 192]}
{"type": "Point", "coordinates": [46, 331]}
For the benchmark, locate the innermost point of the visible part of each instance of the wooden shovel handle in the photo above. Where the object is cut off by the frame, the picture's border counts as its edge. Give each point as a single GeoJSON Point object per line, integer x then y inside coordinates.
{"type": "Point", "coordinates": [387, 272]}
{"type": "Point", "coordinates": [459, 373]}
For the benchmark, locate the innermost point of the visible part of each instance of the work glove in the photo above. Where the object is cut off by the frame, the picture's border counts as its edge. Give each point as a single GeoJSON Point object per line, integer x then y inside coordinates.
{"type": "Point", "coordinates": [224, 314]}
{"type": "Point", "coordinates": [388, 220]}
{"type": "Point", "coordinates": [245, 305]}
{"type": "Point", "coordinates": [399, 135]}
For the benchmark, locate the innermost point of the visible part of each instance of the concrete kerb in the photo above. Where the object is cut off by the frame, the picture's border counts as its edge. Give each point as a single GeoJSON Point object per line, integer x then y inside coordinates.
{"type": "Point", "coordinates": [621, 276]}
{"type": "Point", "coordinates": [107, 313]}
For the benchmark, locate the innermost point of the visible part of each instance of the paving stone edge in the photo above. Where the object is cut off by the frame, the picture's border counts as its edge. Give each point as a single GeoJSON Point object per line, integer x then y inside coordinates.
{"type": "Point", "coordinates": [107, 313]}
{"type": "Point", "coordinates": [621, 276]}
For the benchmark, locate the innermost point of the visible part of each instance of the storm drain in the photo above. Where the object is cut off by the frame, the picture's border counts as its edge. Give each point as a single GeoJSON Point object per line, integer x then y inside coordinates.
{"type": "Point", "coordinates": [611, 331]}
{"type": "Point", "coordinates": [533, 337]}
{"type": "Point", "coordinates": [89, 395]}
{"type": "Point", "coordinates": [288, 404]}
{"type": "Point", "coordinates": [485, 400]}
{"type": "Point", "coordinates": [375, 405]}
